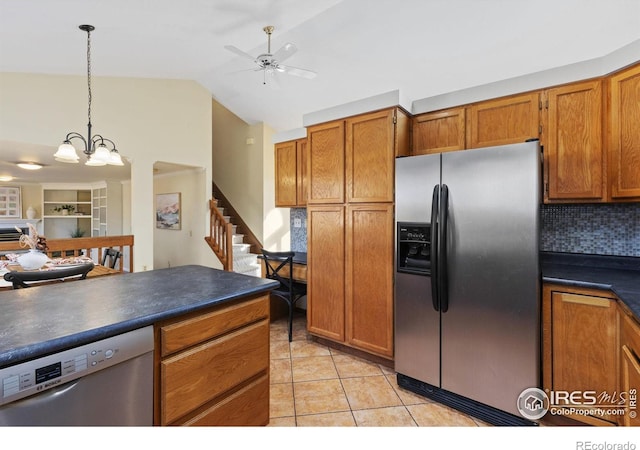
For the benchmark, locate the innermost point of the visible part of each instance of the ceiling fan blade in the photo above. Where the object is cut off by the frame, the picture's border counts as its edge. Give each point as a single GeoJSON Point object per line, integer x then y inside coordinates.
{"type": "Point", "coordinates": [285, 52]}
{"type": "Point", "coordinates": [239, 52]}
{"type": "Point", "coordinates": [304, 73]}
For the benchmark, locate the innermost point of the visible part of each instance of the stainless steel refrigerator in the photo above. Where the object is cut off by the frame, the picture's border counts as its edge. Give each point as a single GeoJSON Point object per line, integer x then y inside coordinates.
{"type": "Point", "coordinates": [467, 279]}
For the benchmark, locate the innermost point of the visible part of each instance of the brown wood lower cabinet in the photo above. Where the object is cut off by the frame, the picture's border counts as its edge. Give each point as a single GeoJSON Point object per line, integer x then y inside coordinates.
{"type": "Point", "coordinates": [630, 368]}
{"type": "Point", "coordinates": [350, 276]}
{"type": "Point", "coordinates": [212, 367]}
{"type": "Point", "coordinates": [580, 342]}
{"type": "Point", "coordinates": [325, 271]}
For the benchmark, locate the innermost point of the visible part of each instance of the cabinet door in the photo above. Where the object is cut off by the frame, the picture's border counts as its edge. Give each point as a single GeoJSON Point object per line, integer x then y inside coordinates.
{"type": "Point", "coordinates": [370, 157]}
{"type": "Point", "coordinates": [630, 368]}
{"type": "Point", "coordinates": [302, 181]}
{"type": "Point", "coordinates": [584, 342]}
{"type": "Point", "coordinates": [326, 163]}
{"type": "Point", "coordinates": [286, 174]}
{"type": "Point", "coordinates": [574, 157]}
{"type": "Point", "coordinates": [325, 271]}
{"type": "Point", "coordinates": [630, 385]}
{"type": "Point", "coordinates": [503, 121]}
{"type": "Point", "coordinates": [437, 132]}
{"type": "Point", "coordinates": [369, 278]}
{"type": "Point", "coordinates": [624, 135]}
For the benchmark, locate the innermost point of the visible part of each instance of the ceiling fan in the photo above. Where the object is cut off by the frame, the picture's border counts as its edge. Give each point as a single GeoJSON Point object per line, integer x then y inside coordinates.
{"type": "Point", "coordinates": [270, 63]}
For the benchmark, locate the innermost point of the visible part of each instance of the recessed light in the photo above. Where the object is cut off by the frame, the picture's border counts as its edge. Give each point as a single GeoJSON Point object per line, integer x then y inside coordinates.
{"type": "Point", "coordinates": [29, 165]}
{"type": "Point", "coordinates": [5, 178]}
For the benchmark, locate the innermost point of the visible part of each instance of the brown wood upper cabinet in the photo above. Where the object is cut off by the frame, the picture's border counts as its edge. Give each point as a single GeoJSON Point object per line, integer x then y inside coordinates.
{"type": "Point", "coordinates": [291, 173]}
{"type": "Point", "coordinates": [325, 163]}
{"type": "Point", "coordinates": [440, 131]}
{"type": "Point", "coordinates": [352, 160]}
{"type": "Point", "coordinates": [371, 147]}
{"type": "Point", "coordinates": [507, 120]}
{"type": "Point", "coordinates": [572, 142]}
{"type": "Point", "coordinates": [624, 134]}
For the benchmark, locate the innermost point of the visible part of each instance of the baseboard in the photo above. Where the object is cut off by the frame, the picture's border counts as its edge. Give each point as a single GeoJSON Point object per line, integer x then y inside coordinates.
{"type": "Point", "coordinates": [478, 410]}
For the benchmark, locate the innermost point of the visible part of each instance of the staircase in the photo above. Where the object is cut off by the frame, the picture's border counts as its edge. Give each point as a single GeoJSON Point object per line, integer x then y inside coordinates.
{"type": "Point", "coordinates": [230, 238]}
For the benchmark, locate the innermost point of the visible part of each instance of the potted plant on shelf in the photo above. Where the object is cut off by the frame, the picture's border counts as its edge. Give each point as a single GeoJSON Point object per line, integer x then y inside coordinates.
{"type": "Point", "coordinates": [65, 209]}
{"type": "Point", "coordinates": [77, 233]}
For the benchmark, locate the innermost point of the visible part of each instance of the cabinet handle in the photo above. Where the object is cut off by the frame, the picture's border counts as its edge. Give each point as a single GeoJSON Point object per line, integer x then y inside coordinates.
{"type": "Point", "coordinates": [585, 300]}
{"type": "Point", "coordinates": [631, 357]}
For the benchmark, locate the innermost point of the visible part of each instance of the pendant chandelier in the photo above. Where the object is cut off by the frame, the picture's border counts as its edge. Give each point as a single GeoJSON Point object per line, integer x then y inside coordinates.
{"type": "Point", "coordinates": [95, 147]}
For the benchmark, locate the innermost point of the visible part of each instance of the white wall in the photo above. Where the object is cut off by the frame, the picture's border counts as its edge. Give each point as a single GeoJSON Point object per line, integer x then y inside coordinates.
{"type": "Point", "coordinates": [186, 245]}
{"type": "Point", "coordinates": [151, 120]}
{"type": "Point", "coordinates": [243, 170]}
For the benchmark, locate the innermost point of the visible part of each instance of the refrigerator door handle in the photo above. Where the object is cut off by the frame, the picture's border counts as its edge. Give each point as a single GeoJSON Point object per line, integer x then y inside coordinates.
{"type": "Point", "coordinates": [442, 250]}
{"type": "Point", "coordinates": [434, 247]}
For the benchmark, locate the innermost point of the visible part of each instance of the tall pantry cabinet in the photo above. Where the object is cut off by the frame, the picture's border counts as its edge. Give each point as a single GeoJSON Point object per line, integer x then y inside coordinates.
{"type": "Point", "coordinates": [350, 228]}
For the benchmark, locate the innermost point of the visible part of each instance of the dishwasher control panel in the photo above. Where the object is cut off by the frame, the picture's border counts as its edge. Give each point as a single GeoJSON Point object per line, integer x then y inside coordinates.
{"type": "Point", "coordinates": [41, 374]}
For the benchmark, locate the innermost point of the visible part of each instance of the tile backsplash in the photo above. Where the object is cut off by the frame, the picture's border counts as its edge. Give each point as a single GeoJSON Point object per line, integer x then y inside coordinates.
{"type": "Point", "coordinates": [600, 229]}
{"type": "Point", "coordinates": [607, 229]}
{"type": "Point", "coordinates": [298, 234]}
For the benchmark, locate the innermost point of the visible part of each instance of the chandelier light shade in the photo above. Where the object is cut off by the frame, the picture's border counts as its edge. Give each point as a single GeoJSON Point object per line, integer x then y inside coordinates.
{"type": "Point", "coordinates": [95, 146]}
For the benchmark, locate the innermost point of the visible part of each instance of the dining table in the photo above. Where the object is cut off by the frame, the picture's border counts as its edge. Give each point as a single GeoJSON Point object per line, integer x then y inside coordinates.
{"type": "Point", "coordinates": [97, 271]}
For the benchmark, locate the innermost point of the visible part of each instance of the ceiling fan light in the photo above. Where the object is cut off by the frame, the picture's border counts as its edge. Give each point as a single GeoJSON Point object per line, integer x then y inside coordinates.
{"type": "Point", "coordinates": [115, 159]}
{"type": "Point", "coordinates": [66, 153]}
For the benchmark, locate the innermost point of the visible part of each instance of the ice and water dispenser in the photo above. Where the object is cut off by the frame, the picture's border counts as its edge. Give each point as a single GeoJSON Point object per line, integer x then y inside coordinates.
{"type": "Point", "coordinates": [414, 248]}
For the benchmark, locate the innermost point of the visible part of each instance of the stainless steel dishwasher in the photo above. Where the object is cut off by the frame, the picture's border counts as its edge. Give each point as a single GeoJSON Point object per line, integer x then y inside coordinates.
{"type": "Point", "coordinates": [104, 383]}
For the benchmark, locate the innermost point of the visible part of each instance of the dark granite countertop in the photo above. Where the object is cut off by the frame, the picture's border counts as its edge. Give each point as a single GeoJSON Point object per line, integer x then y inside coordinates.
{"type": "Point", "coordinates": [46, 319]}
{"type": "Point", "coordinates": [619, 274]}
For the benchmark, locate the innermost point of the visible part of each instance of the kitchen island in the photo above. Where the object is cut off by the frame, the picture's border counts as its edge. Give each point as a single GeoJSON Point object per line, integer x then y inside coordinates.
{"type": "Point", "coordinates": [200, 317]}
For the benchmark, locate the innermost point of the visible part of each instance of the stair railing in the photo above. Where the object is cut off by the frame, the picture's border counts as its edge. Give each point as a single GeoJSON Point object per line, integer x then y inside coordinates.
{"type": "Point", "coordinates": [220, 237]}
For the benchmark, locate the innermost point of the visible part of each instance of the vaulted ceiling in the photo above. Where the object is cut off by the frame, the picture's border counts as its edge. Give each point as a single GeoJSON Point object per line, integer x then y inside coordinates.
{"type": "Point", "coordinates": [359, 48]}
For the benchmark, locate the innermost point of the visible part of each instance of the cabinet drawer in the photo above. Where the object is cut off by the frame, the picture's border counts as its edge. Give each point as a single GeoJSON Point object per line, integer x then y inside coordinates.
{"type": "Point", "coordinates": [189, 332]}
{"type": "Point", "coordinates": [196, 376]}
{"type": "Point", "coordinates": [248, 406]}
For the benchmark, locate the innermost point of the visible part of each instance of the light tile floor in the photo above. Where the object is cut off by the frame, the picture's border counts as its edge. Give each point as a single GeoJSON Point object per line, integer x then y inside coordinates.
{"type": "Point", "coordinates": [314, 385]}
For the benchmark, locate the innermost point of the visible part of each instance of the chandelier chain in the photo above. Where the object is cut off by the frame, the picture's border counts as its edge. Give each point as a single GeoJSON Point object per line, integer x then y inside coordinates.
{"type": "Point", "coordinates": [89, 73]}
{"type": "Point", "coordinates": [96, 148]}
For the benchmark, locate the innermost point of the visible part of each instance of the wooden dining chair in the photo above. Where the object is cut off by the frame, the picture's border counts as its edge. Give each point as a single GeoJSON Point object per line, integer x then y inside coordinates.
{"type": "Point", "coordinates": [277, 264]}
{"type": "Point", "coordinates": [112, 255]}
{"type": "Point", "coordinates": [31, 278]}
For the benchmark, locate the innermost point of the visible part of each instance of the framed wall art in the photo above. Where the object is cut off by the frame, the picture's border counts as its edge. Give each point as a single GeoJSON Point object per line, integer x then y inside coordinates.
{"type": "Point", "coordinates": [168, 211]}
{"type": "Point", "coordinates": [10, 202]}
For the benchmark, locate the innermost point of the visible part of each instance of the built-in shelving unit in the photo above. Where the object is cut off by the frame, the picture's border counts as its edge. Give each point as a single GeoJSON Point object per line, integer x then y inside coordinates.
{"type": "Point", "coordinates": [106, 209]}
{"type": "Point", "coordinates": [99, 212]}
{"type": "Point", "coordinates": [60, 224]}
{"type": "Point", "coordinates": [97, 209]}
